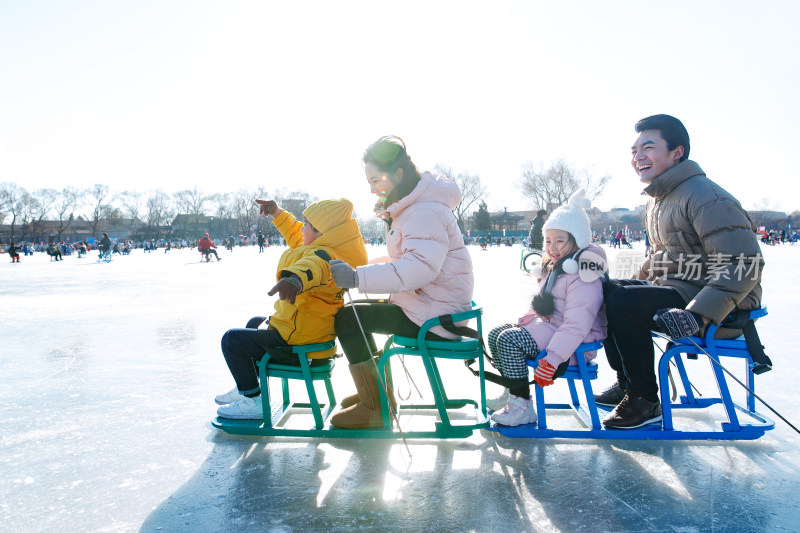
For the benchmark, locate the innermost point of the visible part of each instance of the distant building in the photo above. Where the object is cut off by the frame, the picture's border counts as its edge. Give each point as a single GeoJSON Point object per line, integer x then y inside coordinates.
{"type": "Point", "coordinates": [508, 221]}
{"type": "Point", "coordinates": [770, 219]}
{"type": "Point", "coordinates": [193, 226]}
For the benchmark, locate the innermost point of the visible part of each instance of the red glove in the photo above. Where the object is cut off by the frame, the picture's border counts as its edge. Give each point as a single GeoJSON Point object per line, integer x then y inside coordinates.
{"type": "Point", "coordinates": [544, 373]}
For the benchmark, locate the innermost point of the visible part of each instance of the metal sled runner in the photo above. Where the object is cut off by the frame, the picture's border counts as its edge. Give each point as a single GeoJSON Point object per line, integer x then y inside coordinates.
{"type": "Point", "coordinates": [590, 414]}
{"type": "Point", "coordinates": [451, 422]}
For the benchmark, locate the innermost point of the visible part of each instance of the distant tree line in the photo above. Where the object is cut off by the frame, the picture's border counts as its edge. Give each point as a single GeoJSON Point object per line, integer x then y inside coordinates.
{"type": "Point", "coordinates": [43, 213]}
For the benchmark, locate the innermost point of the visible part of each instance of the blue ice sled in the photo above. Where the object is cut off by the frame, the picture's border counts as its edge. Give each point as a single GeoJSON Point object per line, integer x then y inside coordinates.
{"type": "Point", "coordinates": [590, 414]}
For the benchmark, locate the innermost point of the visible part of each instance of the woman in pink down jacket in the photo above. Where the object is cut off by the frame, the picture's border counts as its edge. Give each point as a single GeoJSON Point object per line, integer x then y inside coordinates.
{"type": "Point", "coordinates": [430, 272]}
{"type": "Point", "coordinates": [567, 311]}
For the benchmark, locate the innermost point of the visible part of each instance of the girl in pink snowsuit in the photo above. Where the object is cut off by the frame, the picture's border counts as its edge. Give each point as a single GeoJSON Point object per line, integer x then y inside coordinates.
{"type": "Point", "coordinates": [567, 311]}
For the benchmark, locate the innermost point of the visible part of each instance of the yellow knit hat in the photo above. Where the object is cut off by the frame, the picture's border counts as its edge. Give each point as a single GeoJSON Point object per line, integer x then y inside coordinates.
{"type": "Point", "coordinates": [327, 214]}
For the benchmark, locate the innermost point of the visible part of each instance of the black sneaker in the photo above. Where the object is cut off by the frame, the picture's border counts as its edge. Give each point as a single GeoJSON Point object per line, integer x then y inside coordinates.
{"type": "Point", "coordinates": [611, 396]}
{"type": "Point", "coordinates": [633, 412]}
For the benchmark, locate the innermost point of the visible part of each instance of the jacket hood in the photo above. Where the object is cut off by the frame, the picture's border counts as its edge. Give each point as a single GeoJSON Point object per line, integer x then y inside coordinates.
{"type": "Point", "coordinates": [666, 182]}
{"type": "Point", "coordinates": [344, 241]}
{"type": "Point", "coordinates": [431, 188]}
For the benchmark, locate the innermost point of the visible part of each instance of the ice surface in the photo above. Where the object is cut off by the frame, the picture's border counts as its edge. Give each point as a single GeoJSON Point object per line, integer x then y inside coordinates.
{"type": "Point", "coordinates": [108, 374]}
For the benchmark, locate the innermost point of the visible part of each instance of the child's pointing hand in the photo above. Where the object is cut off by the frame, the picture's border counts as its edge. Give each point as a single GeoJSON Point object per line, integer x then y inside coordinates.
{"type": "Point", "coordinates": [268, 207]}
{"type": "Point", "coordinates": [287, 288]}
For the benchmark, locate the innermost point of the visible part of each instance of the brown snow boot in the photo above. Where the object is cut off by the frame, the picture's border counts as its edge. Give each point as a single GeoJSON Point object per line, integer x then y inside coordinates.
{"type": "Point", "coordinates": [367, 412]}
{"type": "Point", "coordinates": [353, 398]}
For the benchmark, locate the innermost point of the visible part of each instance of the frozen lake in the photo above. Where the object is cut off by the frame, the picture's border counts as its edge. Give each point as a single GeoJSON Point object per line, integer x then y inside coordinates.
{"type": "Point", "coordinates": [108, 377]}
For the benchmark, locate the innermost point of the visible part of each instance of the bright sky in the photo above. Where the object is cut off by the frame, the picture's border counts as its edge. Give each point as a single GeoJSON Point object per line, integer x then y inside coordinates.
{"type": "Point", "coordinates": [141, 95]}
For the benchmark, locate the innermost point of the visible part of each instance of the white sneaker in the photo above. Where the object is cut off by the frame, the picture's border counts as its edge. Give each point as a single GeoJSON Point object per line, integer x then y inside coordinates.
{"type": "Point", "coordinates": [243, 409]}
{"type": "Point", "coordinates": [518, 411]}
{"type": "Point", "coordinates": [496, 404]}
{"type": "Point", "coordinates": [229, 397]}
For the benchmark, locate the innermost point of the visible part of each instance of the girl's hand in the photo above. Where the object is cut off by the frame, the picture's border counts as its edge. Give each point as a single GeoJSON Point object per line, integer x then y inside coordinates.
{"type": "Point", "coordinates": [544, 373]}
{"type": "Point", "coordinates": [529, 316]}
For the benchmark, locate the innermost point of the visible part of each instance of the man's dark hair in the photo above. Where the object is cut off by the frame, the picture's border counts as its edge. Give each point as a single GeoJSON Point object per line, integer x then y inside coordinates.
{"type": "Point", "coordinates": [672, 130]}
{"type": "Point", "coordinates": [541, 212]}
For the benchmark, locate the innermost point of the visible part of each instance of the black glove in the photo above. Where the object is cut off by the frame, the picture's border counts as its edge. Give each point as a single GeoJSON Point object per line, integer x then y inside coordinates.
{"type": "Point", "coordinates": [287, 288]}
{"type": "Point", "coordinates": [678, 323]}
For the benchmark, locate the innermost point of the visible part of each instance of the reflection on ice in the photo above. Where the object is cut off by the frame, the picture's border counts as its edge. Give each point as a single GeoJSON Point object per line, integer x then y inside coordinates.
{"type": "Point", "coordinates": [423, 457]}
{"type": "Point", "coordinates": [392, 485]}
{"type": "Point", "coordinates": [466, 459]}
{"type": "Point", "coordinates": [658, 470]}
{"type": "Point", "coordinates": [336, 462]}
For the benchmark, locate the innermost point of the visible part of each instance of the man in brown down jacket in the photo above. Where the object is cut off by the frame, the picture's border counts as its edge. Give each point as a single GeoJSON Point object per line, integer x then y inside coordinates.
{"type": "Point", "coordinates": [705, 262]}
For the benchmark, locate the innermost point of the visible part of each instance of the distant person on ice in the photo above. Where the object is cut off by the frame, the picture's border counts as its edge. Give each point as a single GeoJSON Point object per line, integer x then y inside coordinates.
{"type": "Point", "coordinates": [565, 313]}
{"type": "Point", "coordinates": [13, 253]}
{"type": "Point", "coordinates": [54, 252]}
{"type": "Point", "coordinates": [429, 274]}
{"type": "Point", "coordinates": [308, 299]}
{"type": "Point", "coordinates": [206, 247]}
{"type": "Point", "coordinates": [704, 262]}
{"type": "Point", "coordinates": [105, 244]}
{"type": "Point", "coordinates": [535, 236]}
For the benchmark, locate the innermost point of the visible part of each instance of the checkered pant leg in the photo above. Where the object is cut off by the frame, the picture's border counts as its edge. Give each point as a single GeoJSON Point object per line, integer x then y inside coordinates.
{"type": "Point", "coordinates": [513, 346]}
{"type": "Point", "coordinates": [492, 342]}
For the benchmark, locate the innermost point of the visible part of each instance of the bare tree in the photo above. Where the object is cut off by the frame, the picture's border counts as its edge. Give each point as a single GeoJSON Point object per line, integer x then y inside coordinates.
{"type": "Point", "coordinates": [245, 210]}
{"type": "Point", "coordinates": [768, 213]}
{"type": "Point", "coordinates": [472, 191]}
{"type": "Point", "coordinates": [262, 223]}
{"type": "Point", "coordinates": [372, 227]}
{"type": "Point", "coordinates": [552, 187]}
{"type": "Point", "coordinates": [13, 200]}
{"type": "Point", "coordinates": [190, 202]}
{"type": "Point", "coordinates": [131, 202]}
{"type": "Point", "coordinates": [294, 201]}
{"type": "Point", "coordinates": [160, 212]}
{"type": "Point", "coordinates": [222, 205]}
{"type": "Point", "coordinates": [64, 207]}
{"type": "Point", "coordinates": [99, 209]}
{"type": "Point", "coordinates": [42, 204]}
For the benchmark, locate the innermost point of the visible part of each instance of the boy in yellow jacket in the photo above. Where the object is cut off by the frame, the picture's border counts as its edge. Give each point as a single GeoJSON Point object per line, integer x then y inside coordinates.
{"type": "Point", "coordinates": [308, 299]}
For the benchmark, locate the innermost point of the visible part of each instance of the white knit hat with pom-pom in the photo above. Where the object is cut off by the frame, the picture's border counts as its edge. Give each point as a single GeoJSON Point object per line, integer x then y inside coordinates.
{"type": "Point", "coordinates": [573, 219]}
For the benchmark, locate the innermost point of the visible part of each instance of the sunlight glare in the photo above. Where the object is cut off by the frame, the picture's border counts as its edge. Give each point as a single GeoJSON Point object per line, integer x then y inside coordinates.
{"type": "Point", "coordinates": [337, 461]}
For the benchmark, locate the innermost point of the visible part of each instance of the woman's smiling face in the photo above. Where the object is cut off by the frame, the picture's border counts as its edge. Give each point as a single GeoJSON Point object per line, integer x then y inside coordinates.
{"type": "Point", "coordinates": [381, 183]}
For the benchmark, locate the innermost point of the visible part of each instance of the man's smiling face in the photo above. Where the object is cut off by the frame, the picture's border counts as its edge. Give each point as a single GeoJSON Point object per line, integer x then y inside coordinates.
{"type": "Point", "coordinates": [651, 157]}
